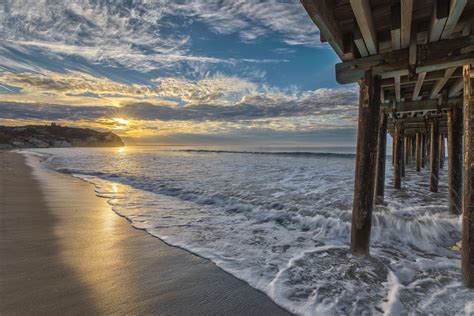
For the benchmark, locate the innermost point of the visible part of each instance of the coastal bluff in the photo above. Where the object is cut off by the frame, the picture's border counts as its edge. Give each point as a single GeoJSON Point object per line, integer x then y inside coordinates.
{"type": "Point", "coordinates": [54, 135]}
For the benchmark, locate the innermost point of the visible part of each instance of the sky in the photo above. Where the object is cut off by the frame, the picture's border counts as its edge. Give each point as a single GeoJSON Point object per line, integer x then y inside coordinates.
{"type": "Point", "coordinates": [197, 72]}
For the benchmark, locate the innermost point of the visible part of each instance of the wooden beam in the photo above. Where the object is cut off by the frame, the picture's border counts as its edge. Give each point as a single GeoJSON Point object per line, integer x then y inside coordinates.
{"type": "Point", "coordinates": [397, 89]}
{"type": "Point", "coordinates": [322, 15]}
{"type": "Point", "coordinates": [441, 82]}
{"type": "Point", "coordinates": [438, 19]}
{"type": "Point", "coordinates": [412, 51]}
{"type": "Point", "coordinates": [363, 15]}
{"type": "Point", "coordinates": [389, 83]}
{"type": "Point", "coordinates": [365, 169]}
{"type": "Point", "coordinates": [359, 41]}
{"type": "Point", "coordinates": [455, 10]}
{"type": "Point", "coordinates": [456, 88]}
{"type": "Point", "coordinates": [406, 17]}
{"type": "Point", "coordinates": [436, 56]}
{"type": "Point", "coordinates": [431, 76]}
{"type": "Point", "coordinates": [429, 105]}
{"type": "Point", "coordinates": [467, 252]}
{"type": "Point", "coordinates": [418, 85]}
{"type": "Point", "coordinates": [395, 26]}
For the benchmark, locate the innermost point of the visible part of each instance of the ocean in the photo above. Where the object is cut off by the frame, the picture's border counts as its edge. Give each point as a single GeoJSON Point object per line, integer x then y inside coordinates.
{"type": "Point", "coordinates": [279, 219]}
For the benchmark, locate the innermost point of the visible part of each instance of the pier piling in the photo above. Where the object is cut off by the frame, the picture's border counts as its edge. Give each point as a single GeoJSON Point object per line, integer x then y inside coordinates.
{"type": "Point", "coordinates": [366, 163]}
{"type": "Point", "coordinates": [434, 156]}
{"type": "Point", "coordinates": [455, 159]}
{"type": "Point", "coordinates": [418, 151]}
{"type": "Point", "coordinates": [397, 155]}
{"type": "Point", "coordinates": [441, 151]}
{"type": "Point", "coordinates": [467, 254]}
{"type": "Point", "coordinates": [381, 157]}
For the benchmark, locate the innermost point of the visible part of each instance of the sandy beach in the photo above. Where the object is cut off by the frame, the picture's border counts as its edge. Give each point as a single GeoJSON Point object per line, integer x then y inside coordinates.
{"type": "Point", "coordinates": [64, 251]}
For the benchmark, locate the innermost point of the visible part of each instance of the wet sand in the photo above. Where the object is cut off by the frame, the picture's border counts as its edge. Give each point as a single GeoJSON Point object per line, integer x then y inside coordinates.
{"type": "Point", "coordinates": [64, 251]}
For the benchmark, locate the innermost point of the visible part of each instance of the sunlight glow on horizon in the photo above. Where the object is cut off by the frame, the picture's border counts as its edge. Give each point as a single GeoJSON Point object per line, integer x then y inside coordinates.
{"type": "Point", "coordinates": [121, 121]}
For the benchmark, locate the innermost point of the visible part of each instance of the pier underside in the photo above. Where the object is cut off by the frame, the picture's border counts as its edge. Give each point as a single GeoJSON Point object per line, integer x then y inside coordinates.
{"type": "Point", "coordinates": [413, 63]}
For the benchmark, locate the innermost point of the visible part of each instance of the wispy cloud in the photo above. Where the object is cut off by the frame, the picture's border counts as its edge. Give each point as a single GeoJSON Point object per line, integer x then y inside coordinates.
{"type": "Point", "coordinates": [138, 34]}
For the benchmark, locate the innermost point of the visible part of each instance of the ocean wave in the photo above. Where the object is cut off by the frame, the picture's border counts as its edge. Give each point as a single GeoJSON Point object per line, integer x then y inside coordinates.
{"type": "Point", "coordinates": [305, 154]}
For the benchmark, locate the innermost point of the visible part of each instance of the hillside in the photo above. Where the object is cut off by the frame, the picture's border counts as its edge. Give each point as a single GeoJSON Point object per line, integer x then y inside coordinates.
{"type": "Point", "coordinates": [43, 136]}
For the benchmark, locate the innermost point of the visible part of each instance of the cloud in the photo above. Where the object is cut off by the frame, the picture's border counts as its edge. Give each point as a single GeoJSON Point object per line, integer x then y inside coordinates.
{"type": "Point", "coordinates": [254, 19]}
{"type": "Point", "coordinates": [141, 35]}
{"type": "Point", "coordinates": [216, 89]}
{"type": "Point", "coordinates": [322, 103]}
{"type": "Point", "coordinates": [321, 108]}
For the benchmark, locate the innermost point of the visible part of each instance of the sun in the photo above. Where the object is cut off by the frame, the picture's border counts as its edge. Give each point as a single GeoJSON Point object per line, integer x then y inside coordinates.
{"type": "Point", "coordinates": [121, 120]}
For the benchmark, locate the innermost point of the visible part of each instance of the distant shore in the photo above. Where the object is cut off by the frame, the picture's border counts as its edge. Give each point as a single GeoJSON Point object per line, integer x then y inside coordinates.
{"type": "Point", "coordinates": [64, 251]}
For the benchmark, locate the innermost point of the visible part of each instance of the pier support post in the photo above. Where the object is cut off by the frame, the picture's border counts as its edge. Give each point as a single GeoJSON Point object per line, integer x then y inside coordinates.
{"type": "Point", "coordinates": [423, 151]}
{"type": "Point", "coordinates": [434, 156]}
{"type": "Point", "coordinates": [406, 149]}
{"type": "Point", "coordinates": [381, 156]}
{"type": "Point", "coordinates": [366, 163]}
{"type": "Point", "coordinates": [455, 159]}
{"type": "Point", "coordinates": [393, 149]}
{"type": "Point", "coordinates": [397, 155]}
{"type": "Point", "coordinates": [467, 254]}
{"type": "Point", "coordinates": [402, 156]}
{"type": "Point", "coordinates": [441, 151]}
{"type": "Point", "coordinates": [418, 151]}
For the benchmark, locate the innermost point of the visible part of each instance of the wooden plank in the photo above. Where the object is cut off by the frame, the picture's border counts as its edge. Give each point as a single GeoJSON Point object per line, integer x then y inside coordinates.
{"type": "Point", "coordinates": [406, 17]}
{"type": "Point", "coordinates": [436, 56]}
{"type": "Point", "coordinates": [418, 85]}
{"type": "Point", "coordinates": [438, 19]}
{"type": "Point", "coordinates": [467, 252]}
{"type": "Point", "coordinates": [359, 41]}
{"type": "Point", "coordinates": [365, 169]}
{"type": "Point", "coordinates": [412, 51]}
{"type": "Point", "coordinates": [441, 82]}
{"type": "Point", "coordinates": [395, 26]}
{"type": "Point", "coordinates": [363, 15]}
{"type": "Point", "coordinates": [455, 10]}
{"type": "Point", "coordinates": [322, 15]}
{"type": "Point", "coordinates": [456, 88]}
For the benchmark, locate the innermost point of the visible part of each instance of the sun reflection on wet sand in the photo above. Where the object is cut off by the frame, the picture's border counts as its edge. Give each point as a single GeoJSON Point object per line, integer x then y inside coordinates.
{"type": "Point", "coordinates": [98, 236]}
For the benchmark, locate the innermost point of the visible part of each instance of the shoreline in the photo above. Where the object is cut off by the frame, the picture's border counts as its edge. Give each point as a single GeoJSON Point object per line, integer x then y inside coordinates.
{"type": "Point", "coordinates": [66, 250]}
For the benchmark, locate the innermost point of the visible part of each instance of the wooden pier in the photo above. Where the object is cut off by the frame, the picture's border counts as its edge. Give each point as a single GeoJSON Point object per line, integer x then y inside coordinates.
{"type": "Point", "coordinates": [413, 61]}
